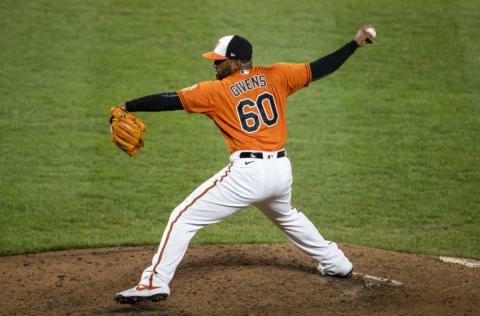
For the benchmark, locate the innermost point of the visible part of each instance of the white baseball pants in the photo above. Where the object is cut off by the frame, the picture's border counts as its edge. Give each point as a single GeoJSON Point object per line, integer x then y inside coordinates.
{"type": "Point", "coordinates": [264, 183]}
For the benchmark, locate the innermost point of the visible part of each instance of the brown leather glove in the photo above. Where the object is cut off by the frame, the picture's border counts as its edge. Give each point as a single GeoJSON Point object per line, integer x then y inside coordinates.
{"type": "Point", "coordinates": [127, 130]}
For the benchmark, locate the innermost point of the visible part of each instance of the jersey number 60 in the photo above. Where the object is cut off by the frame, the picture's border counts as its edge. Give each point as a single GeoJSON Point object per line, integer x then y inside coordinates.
{"type": "Point", "coordinates": [250, 121]}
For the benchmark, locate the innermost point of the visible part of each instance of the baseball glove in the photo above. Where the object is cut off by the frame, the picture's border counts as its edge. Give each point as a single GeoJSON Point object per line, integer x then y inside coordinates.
{"type": "Point", "coordinates": [127, 130]}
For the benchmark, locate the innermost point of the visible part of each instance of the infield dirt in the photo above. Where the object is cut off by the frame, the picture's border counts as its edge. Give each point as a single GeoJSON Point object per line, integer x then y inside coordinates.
{"type": "Point", "coordinates": [262, 279]}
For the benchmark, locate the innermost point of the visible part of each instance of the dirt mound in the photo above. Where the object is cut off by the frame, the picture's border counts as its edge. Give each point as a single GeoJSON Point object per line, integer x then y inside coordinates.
{"type": "Point", "coordinates": [239, 280]}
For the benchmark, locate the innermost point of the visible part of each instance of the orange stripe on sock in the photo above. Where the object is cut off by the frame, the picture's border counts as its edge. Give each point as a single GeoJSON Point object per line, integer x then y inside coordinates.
{"type": "Point", "coordinates": [143, 287]}
{"type": "Point", "coordinates": [180, 214]}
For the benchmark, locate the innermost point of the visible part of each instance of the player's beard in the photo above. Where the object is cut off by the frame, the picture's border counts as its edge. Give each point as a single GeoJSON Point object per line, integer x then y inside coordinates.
{"type": "Point", "coordinates": [221, 75]}
{"type": "Point", "coordinates": [225, 69]}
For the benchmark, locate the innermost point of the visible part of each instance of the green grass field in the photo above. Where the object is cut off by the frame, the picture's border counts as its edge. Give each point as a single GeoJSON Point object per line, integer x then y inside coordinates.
{"type": "Point", "coordinates": [386, 151]}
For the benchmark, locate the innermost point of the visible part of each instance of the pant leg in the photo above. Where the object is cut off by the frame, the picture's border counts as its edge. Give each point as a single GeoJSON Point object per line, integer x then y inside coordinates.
{"type": "Point", "coordinates": [214, 200]}
{"type": "Point", "coordinates": [300, 230]}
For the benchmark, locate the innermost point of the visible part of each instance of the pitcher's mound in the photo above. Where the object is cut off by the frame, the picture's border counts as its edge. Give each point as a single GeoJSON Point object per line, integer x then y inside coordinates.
{"type": "Point", "coordinates": [262, 279]}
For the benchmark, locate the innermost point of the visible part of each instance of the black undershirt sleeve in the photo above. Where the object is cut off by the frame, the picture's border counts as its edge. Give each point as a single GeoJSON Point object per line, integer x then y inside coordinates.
{"type": "Point", "coordinates": [169, 101]}
{"type": "Point", "coordinates": [328, 64]}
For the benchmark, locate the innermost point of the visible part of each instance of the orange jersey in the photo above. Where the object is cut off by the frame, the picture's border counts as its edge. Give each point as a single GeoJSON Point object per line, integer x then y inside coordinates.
{"type": "Point", "coordinates": [249, 106]}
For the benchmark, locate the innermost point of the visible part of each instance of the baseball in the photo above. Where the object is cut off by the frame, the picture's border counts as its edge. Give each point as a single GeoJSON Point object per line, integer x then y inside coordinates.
{"type": "Point", "coordinates": [372, 31]}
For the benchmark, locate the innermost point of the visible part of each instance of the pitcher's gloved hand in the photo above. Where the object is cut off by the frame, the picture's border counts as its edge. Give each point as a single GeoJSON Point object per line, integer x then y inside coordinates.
{"type": "Point", "coordinates": [127, 130]}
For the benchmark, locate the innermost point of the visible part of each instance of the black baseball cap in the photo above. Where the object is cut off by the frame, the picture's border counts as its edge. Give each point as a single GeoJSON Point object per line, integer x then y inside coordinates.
{"type": "Point", "coordinates": [231, 47]}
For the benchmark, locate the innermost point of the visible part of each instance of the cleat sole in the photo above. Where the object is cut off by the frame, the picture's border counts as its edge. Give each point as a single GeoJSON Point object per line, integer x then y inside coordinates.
{"type": "Point", "coordinates": [135, 299]}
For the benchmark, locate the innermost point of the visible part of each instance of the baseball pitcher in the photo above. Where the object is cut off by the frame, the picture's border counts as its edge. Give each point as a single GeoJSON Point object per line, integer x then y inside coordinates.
{"type": "Point", "coordinates": [248, 105]}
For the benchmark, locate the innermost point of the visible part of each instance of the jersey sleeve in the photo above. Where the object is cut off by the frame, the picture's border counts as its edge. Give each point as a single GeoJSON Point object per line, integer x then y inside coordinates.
{"type": "Point", "coordinates": [197, 98]}
{"type": "Point", "coordinates": [296, 76]}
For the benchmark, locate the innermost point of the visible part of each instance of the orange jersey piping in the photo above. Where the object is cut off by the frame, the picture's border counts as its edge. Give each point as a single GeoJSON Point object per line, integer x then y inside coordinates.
{"type": "Point", "coordinates": [184, 102]}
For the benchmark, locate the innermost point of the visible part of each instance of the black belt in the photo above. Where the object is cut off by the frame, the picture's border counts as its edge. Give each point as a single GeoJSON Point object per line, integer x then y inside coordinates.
{"type": "Point", "coordinates": [249, 154]}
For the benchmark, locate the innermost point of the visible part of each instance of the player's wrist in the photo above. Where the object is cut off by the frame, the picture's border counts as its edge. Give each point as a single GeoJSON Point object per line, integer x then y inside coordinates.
{"type": "Point", "coordinates": [354, 44]}
{"type": "Point", "coordinates": [122, 106]}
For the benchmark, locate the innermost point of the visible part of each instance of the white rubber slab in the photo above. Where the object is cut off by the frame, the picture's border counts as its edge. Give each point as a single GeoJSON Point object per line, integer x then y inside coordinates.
{"type": "Point", "coordinates": [464, 262]}
{"type": "Point", "coordinates": [376, 279]}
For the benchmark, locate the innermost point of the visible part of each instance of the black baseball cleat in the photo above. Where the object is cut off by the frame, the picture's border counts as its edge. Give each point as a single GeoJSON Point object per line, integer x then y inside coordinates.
{"type": "Point", "coordinates": [324, 272]}
{"type": "Point", "coordinates": [142, 293]}
{"type": "Point", "coordinates": [348, 275]}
